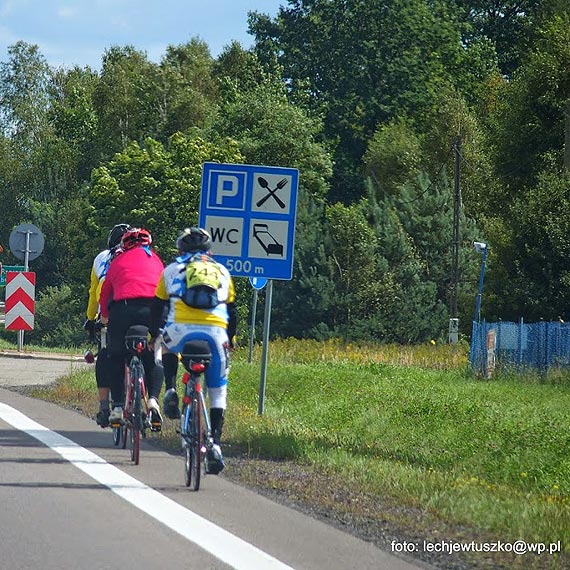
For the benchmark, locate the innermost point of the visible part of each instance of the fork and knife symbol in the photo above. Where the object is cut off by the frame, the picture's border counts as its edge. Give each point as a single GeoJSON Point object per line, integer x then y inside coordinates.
{"type": "Point", "coordinates": [272, 191]}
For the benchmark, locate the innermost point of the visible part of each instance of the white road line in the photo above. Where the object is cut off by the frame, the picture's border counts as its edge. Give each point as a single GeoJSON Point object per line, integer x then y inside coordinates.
{"type": "Point", "coordinates": [225, 546]}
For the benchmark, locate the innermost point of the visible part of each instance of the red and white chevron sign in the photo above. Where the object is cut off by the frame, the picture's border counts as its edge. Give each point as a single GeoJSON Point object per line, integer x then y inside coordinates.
{"type": "Point", "coordinates": [20, 304]}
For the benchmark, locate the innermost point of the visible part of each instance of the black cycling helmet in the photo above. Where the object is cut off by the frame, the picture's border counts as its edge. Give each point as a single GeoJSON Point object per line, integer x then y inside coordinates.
{"type": "Point", "coordinates": [194, 239]}
{"type": "Point", "coordinates": [116, 234]}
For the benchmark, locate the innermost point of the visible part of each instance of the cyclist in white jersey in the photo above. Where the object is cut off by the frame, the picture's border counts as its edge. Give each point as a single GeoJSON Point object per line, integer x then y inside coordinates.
{"type": "Point", "coordinates": [98, 272]}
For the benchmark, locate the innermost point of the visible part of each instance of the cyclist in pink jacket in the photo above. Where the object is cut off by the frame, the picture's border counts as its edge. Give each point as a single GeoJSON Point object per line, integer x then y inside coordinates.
{"type": "Point", "coordinates": [126, 299]}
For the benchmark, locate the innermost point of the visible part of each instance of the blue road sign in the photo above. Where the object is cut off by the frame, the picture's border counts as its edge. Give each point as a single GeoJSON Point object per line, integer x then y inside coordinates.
{"type": "Point", "coordinates": [258, 282]}
{"type": "Point", "coordinates": [250, 213]}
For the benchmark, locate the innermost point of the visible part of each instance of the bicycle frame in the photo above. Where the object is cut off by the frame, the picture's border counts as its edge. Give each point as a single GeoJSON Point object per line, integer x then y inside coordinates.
{"type": "Point", "coordinates": [194, 390]}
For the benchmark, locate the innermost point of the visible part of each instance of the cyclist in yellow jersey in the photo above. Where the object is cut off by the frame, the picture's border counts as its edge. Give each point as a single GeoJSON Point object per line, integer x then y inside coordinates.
{"type": "Point", "coordinates": [214, 322]}
{"type": "Point", "coordinates": [98, 272]}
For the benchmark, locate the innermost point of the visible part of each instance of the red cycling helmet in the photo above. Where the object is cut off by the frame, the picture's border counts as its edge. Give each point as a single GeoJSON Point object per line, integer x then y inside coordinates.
{"type": "Point", "coordinates": [135, 237]}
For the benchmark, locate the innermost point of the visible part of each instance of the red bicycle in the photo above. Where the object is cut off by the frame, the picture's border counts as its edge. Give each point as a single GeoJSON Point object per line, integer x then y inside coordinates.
{"type": "Point", "coordinates": [136, 413]}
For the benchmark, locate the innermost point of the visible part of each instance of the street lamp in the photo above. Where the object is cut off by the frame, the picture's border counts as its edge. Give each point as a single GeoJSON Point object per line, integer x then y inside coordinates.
{"type": "Point", "coordinates": [483, 248]}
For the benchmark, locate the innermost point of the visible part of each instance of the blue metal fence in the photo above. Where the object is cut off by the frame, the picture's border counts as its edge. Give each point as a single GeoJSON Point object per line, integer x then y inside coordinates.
{"type": "Point", "coordinates": [504, 345]}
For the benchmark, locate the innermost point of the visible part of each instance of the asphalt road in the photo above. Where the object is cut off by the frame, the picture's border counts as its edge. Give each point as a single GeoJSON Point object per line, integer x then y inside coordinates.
{"type": "Point", "coordinates": [30, 369]}
{"type": "Point", "coordinates": [72, 500]}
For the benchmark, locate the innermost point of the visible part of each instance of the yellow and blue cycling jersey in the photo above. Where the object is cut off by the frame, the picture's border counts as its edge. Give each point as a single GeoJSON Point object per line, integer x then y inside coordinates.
{"type": "Point", "coordinates": [171, 286]}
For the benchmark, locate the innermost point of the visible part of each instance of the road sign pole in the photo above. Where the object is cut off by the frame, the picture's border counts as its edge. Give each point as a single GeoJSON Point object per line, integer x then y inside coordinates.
{"type": "Point", "coordinates": [20, 341]}
{"type": "Point", "coordinates": [27, 251]}
{"type": "Point", "coordinates": [266, 323]}
{"type": "Point", "coordinates": [252, 332]}
{"type": "Point", "coordinates": [26, 267]}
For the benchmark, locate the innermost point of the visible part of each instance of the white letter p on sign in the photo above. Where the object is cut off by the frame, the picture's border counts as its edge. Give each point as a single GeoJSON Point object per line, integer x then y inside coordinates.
{"type": "Point", "coordinates": [228, 185]}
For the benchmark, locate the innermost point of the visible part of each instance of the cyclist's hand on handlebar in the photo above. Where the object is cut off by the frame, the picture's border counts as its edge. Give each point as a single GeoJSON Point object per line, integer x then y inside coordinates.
{"type": "Point", "coordinates": [89, 327]}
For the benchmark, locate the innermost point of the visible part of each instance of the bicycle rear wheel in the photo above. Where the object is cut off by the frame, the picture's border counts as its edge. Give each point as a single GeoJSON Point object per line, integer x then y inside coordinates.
{"type": "Point", "coordinates": [136, 414]}
{"type": "Point", "coordinates": [193, 451]}
{"type": "Point", "coordinates": [185, 432]}
{"type": "Point", "coordinates": [135, 445]}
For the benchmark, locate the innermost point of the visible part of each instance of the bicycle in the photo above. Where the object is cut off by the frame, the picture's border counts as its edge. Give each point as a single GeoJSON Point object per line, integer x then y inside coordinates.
{"type": "Point", "coordinates": [195, 428]}
{"type": "Point", "coordinates": [136, 412]}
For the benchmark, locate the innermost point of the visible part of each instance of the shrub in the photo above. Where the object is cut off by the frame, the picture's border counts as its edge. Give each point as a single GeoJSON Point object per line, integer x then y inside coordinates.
{"type": "Point", "coordinates": [58, 318]}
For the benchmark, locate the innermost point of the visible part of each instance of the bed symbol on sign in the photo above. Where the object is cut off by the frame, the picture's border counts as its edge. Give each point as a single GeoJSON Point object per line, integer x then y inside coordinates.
{"type": "Point", "coordinates": [269, 244]}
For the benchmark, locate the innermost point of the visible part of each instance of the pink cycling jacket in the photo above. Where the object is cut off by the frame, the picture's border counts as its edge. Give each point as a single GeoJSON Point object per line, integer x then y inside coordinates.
{"type": "Point", "coordinates": [132, 275]}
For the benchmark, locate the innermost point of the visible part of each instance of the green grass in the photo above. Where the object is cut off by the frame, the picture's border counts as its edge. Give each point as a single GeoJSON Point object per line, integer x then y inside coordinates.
{"type": "Point", "coordinates": [7, 345]}
{"type": "Point", "coordinates": [409, 424]}
{"type": "Point", "coordinates": [491, 455]}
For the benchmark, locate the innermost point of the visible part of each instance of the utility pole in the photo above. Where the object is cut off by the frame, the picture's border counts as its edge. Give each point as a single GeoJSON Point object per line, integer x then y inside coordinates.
{"type": "Point", "coordinates": [567, 136]}
{"type": "Point", "coordinates": [454, 320]}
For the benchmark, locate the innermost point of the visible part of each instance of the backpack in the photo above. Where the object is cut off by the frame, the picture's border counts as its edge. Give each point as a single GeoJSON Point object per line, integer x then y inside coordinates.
{"type": "Point", "coordinates": [203, 279]}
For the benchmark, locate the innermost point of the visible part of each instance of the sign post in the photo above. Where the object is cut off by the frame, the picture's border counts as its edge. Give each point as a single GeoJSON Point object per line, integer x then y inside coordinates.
{"type": "Point", "coordinates": [266, 324]}
{"type": "Point", "coordinates": [257, 283]}
{"type": "Point", "coordinates": [250, 213]}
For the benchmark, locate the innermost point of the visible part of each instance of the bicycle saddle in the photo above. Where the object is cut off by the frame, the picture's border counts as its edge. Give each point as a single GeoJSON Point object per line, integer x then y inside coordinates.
{"type": "Point", "coordinates": [196, 351]}
{"type": "Point", "coordinates": [135, 335]}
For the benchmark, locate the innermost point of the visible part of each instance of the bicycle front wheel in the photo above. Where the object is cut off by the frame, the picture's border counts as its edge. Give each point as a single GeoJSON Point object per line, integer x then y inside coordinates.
{"type": "Point", "coordinates": [117, 432]}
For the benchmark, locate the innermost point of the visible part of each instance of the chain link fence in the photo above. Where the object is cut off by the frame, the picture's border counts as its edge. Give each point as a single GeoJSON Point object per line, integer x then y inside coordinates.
{"type": "Point", "coordinates": [509, 345]}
